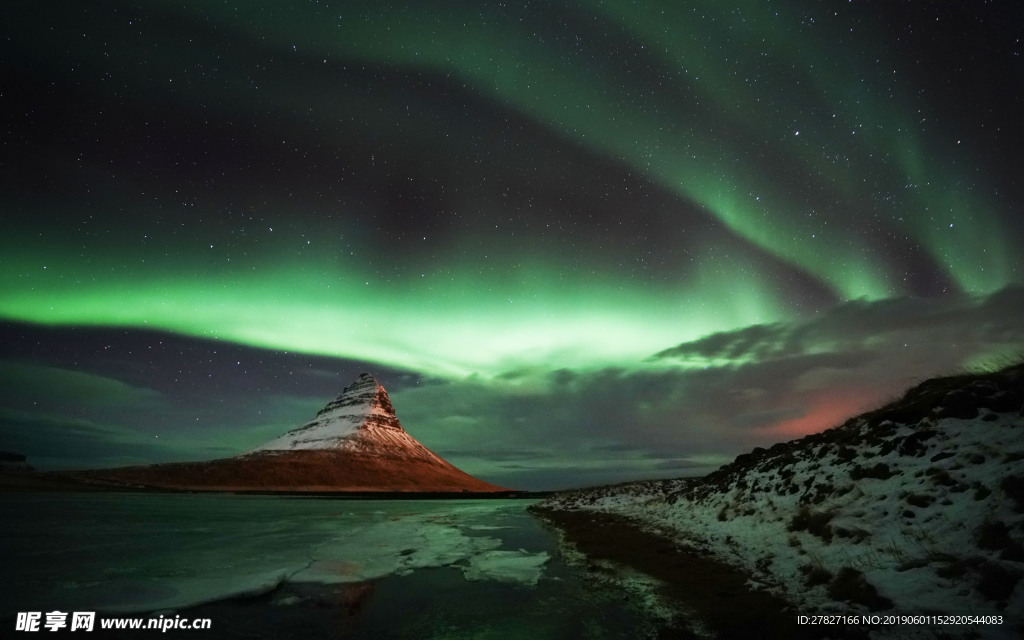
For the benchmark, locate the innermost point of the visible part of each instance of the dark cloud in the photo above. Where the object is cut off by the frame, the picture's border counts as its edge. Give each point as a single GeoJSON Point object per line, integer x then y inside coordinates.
{"type": "Point", "coordinates": [759, 341]}
{"type": "Point", "coordinates": [861, 328]}
{"type": "Point", "coordinates": [65, 442]}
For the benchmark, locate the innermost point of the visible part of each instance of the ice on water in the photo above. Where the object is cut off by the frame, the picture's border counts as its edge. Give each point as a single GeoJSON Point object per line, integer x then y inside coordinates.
{"type": "Point", "coordinates": [507, 566]}
{"type": "Point", "coordinates": [151, 552]}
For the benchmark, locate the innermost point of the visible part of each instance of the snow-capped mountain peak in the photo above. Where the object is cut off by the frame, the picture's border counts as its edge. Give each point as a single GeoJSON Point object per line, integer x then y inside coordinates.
{"type": "Point", "coordinates": [361, 419]}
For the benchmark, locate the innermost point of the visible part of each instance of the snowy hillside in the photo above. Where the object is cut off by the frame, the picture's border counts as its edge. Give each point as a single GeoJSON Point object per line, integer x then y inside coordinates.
{"type": "Point", "coordinates": [917, 507]}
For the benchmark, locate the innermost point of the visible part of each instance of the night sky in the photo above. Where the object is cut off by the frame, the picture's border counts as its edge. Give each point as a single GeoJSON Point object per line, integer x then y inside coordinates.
{"type": "Point", "coordinates": [578, 242]}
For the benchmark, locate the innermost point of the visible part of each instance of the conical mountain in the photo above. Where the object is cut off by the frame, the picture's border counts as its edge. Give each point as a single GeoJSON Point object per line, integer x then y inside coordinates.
{"type": "Point", "coordinates": [354, 444]}
{"type": "Point", "coordinates": [361, 419]}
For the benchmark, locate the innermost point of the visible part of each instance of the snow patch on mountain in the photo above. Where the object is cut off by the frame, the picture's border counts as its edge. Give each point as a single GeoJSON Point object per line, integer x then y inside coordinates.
{"type": "Point", "coordinates": [915, 508]}
{"type": "Point", "coordinates": [361, 419]}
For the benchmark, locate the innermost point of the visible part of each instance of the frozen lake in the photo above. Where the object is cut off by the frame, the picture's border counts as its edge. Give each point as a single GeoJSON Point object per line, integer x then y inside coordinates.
{"type": "Point", "coordinates": [362, 568]}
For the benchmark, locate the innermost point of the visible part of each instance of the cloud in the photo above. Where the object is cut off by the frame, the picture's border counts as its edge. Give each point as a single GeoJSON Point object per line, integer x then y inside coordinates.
{"type": "Point", "coordinates": [858, 329]}
{"type": "Point", "coordinates": [63, 442]}
{"type": "Point", "coordinates": [27, 384]}
{"type": "Point", "coordinates": [753, 387]}
{"type": "Point", "coordinates": [66, 418]}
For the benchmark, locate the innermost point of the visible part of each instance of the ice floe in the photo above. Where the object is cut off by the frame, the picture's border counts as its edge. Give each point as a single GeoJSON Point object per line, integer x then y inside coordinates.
{"type": "Point", "coordinates": [139, 553]}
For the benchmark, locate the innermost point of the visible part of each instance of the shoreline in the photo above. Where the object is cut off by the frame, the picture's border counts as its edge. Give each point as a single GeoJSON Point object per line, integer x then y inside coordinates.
{"type": "Point", "coordinates": [715, 593]}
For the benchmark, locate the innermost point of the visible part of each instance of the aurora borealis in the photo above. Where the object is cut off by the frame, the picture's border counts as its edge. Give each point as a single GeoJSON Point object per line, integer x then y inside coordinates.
{"type": "Point", "coordinates": [578, 242]}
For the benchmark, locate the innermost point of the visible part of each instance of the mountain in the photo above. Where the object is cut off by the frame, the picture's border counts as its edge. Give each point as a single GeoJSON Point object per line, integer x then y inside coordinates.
{"type": "Point", "coordinates": [914, 508]}
{"type": "Point", "coordinates": [360, 420]}
{"type": "Point", "coordinates": [355, 443]}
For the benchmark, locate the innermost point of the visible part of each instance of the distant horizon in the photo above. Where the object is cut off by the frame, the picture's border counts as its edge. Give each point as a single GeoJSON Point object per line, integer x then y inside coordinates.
{"type": "Point", "coordinates": [569, 486]}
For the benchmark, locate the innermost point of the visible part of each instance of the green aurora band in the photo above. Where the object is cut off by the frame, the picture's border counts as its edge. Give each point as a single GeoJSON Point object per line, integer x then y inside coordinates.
{"type": "Point", "coordinates": [461, 326]}
{"type": "Point", "coordinates": [718, 133]}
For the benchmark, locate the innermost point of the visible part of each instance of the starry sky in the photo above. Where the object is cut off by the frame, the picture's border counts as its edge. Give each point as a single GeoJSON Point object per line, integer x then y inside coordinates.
{"type": "Point", "coordinates": [579, 242]}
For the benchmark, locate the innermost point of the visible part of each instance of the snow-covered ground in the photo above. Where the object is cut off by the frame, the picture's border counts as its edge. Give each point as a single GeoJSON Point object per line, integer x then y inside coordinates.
{"type": "Point", "coordinates": [915, 508]}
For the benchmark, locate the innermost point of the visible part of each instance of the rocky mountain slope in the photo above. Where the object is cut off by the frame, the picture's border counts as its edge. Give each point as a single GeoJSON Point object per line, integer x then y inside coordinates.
{"type": "Point", "coordinates": [914, 508]}
{"type": "Point", "coordinates": [355, 443]}
{"type": "Point", "coordinates": [360, 420]}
